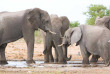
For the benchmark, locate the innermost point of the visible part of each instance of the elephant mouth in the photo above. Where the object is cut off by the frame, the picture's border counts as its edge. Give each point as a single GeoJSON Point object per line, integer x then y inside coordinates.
{"type": "Point", "coordinates": [48, 30]}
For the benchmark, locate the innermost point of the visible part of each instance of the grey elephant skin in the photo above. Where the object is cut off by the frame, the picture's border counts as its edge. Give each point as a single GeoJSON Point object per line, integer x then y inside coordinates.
{"type": "Point", "coordinates": [15, 25]}
{"type": "Point", "coordinates": [103, 22]}
{"type": "Point", "coordinates": [93, 40]}
{"type": "Point", "coordinates": [59, 26]}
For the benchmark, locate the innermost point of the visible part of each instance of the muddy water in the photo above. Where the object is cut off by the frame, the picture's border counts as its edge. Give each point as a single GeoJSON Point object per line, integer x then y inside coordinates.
{"type": "Point", "coordinates": [42, 64]}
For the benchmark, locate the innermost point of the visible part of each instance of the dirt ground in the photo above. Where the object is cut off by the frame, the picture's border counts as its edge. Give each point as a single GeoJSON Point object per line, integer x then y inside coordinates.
{"type": "Point", "coordinates": [18, 51]}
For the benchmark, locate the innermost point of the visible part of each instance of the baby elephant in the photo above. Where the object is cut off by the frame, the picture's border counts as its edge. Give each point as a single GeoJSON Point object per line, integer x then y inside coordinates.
{"type": "Point", "coordinates": [93, 40]}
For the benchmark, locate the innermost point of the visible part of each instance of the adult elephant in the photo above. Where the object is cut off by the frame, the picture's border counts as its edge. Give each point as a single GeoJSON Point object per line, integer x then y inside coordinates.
{"type": "Point", "coordinates": [59, 26]}
{"type": "Point", "coordinates": [102, 22]}
{"type": "Point", "coordinates": [93, 40]}
{"type": "Point", "coordinates": [15, 25]}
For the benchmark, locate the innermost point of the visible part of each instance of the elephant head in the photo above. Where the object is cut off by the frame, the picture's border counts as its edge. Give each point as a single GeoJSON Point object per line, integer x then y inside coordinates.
{"type": "Point", "coordinates": [39, 19]}
{"type": "Point", "coordinates": [105, 21]}
{"type": "Point", "coordinates": [72, 35]}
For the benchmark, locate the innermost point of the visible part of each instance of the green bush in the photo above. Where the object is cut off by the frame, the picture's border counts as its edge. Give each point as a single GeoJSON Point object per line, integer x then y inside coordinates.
{"type": "Point", "coordinates": [74, 24]}
{"type": "Point", "coordinates": [38, 37]}
{"type": "Point", "coordinates": [94, 11]}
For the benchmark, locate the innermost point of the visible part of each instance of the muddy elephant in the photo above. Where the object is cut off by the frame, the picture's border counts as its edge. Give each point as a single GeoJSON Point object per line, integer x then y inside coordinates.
{"type": "Point", "coordinates": [93, 40]}
{"type": "Point", "coordinates": [59, 26]}
{"type": "Point", "coordinates": [15, 25]}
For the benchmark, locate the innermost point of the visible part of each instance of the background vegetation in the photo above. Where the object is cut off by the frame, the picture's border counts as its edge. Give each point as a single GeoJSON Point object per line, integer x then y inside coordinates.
{"type": "Point", "coordinates": [94, 11]}
{"type": "Point", "coordinates": [74, 24]}
{"type": "Point", "coordinates": [38, 37]}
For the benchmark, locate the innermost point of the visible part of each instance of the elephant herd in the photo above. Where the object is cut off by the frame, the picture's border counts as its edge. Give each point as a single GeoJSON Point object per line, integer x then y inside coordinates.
{"type": "Point", "coordinates": [93, 40]}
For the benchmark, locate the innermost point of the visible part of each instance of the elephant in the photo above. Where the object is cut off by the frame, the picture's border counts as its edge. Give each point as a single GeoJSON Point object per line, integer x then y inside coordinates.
{"type": "Point", "coordinates": [59, 26]}
{"type": "Point", "coordinates": [93, 40]}
{"type": "Point", "coordinates": [22, 24]}
{"type": "Point", "coordinates": [103, 22]}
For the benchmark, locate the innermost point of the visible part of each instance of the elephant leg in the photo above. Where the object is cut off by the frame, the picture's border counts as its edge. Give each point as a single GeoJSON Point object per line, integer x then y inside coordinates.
{"type": "Point", "coordinates": [29, 38]}
{"type": "Point", "coordinates": [51, 56]}
{"type": "Point", "coordinates": [94, 58]}
{"type": "Point", "coordinates": [47, 47]}
{"type": "Point", "coordinates": [61, 58]}
{"type": "Point", "coordinates": [105, 54]}
{"type": "Point", "coordinates": [2, 54]}
{"type": "Point", "coordinates": [85, 55]}
{"type": "Point", "coordinates": [56, 56]}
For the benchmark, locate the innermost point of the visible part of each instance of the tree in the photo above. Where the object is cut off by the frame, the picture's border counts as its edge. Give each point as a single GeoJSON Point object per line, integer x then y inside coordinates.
{"type": "Point", "coordinates": [108, 12]}
{"type": "Point", "coordinates": [94, 11]}
{"type": "Point", "coordinates": [74, 24]}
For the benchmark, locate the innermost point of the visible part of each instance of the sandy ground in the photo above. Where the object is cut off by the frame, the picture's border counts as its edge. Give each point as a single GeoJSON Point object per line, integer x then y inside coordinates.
{"type": "Point", "coordinates": [18, 51]}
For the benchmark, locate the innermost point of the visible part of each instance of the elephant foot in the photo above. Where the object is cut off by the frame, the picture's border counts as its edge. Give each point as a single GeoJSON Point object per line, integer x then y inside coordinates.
{"type": "Point", "coordinates": [30, 61]}
{"type": "Point", "coordinates": [93, 65]}
{"type": "Point", "coordinates": [51, 61]}
{"type": "Point", "coordinates": [86, 65]}
{"type": "Point", "coordinates": [46, 61]}
{"type": "Point", "coordinates": [56, 60]}
{"type": "Point", "coordinates": [93, 61]}
{"type": "Point", "coordinates": [3, 62]}
{"type": "Point", "coordinates": [60, 63]}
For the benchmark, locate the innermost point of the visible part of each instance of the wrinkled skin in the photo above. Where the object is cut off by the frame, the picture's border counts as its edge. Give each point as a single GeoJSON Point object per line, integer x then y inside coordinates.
{"type": "Point", "coordinates": [92, 40]}
{"type": "Point", "coordinates": [59, 26]}
{"type": "Point", "coordinates": [15, 25]}
{"type": "Point", "coordinates": [102, 22]}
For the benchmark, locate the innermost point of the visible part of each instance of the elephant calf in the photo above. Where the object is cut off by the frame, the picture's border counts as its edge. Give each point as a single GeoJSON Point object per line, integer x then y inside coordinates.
{"type": "Point", "coordinates": [93, 40]}
{"type": "Point", "coordinates": [59, 26]}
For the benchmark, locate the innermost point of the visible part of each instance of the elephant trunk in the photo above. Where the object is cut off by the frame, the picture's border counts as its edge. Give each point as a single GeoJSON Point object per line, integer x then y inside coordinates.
{"type": "Point", "coordinates": [65, 53]}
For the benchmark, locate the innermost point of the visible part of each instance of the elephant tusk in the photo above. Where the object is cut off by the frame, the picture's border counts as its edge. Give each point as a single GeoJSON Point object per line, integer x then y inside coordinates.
{"type": "Point", "coordinates": [52, 32]}
{"type": "Point", "coordinates": [60, 45]}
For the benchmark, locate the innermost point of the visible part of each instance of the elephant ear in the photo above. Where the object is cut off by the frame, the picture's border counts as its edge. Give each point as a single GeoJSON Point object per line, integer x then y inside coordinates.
{"type": "Point", "coordinates": [75, 35]}
{"type": "Point", "coordinates": [109, 23]}
{"type": "Point", "coordinates": [65, 24]}
{"type": "Point", "coordinates": [107, 19]}
{"type": "Point", "coordinates": [34, 16]}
